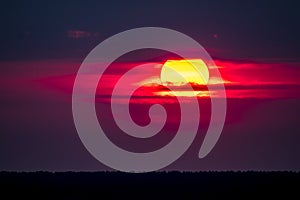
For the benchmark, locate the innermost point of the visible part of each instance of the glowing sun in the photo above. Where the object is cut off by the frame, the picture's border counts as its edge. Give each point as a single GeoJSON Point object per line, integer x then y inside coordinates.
{"type": "Point", "coordinates": [182, 72]}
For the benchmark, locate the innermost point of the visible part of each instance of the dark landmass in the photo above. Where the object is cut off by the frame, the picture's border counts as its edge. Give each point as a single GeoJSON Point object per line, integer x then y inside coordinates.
{"type": "Point", "coordinates": [155, 185]}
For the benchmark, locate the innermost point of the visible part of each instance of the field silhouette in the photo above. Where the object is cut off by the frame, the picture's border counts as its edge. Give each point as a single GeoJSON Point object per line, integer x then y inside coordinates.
{"type": "Point", "coordinates": [154, 185]}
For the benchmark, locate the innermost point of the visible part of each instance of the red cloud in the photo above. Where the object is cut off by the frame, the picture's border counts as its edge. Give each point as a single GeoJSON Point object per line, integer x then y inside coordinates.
{"type": "Point", "coordinates": [77, 34]}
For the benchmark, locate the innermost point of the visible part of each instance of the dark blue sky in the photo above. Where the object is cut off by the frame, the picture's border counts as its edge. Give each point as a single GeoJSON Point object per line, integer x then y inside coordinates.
{"type": "Point", "coordinates": [244, 29]}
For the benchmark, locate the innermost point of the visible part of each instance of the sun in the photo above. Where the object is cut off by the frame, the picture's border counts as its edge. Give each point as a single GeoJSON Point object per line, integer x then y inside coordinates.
{"type": "Point", "coordinates": [179, 73]}
{"type": "Point", "coordinates": [182, 72]}
{"type": "Point", "coordinates": [178, 76]}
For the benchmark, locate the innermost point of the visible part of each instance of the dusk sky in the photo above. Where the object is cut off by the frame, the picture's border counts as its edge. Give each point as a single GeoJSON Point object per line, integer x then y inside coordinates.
{"type": "Point", "coordinates": [255, 45]}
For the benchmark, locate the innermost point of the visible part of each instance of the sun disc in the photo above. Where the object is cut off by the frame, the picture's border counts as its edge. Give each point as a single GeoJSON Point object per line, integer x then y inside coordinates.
{"type": "Point", "coordinates": [181, 72]}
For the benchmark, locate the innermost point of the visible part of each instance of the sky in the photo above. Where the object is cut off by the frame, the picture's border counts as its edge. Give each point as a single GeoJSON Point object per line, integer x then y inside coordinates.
{"type": "Point", "coordinates": [254, 44]}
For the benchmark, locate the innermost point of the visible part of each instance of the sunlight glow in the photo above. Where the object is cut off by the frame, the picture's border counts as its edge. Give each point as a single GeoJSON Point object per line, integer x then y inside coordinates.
{"type": "Point", "coordinates": [181, 72]}
{"type": "Point", "coordinates": [179, 75]}
{"type": "Point", "coordinates": [184, 93]}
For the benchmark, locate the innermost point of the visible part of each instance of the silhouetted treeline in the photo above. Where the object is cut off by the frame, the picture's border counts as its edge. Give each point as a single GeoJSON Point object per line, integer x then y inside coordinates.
{"type": "Point", "coordinates": [155, 185]}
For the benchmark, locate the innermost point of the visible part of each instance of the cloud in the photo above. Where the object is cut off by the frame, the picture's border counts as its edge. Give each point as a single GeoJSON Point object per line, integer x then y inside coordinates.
{"type": "Point", "coordinates": [245, 79]}
{"type": "Point", "coordinates": [80, 34]}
